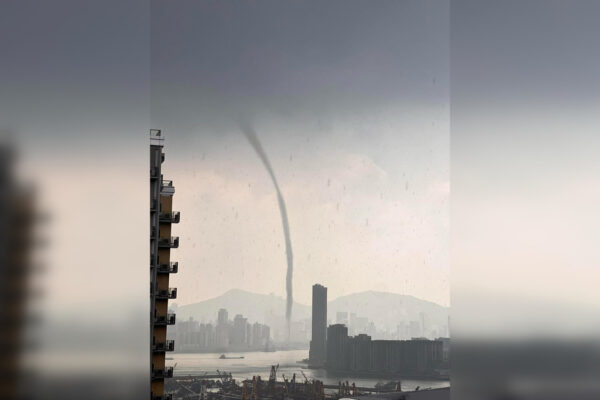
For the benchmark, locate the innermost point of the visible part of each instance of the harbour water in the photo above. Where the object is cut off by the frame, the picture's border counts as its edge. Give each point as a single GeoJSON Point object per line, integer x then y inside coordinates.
{"type": "Point", "coordinates": [259, 363]}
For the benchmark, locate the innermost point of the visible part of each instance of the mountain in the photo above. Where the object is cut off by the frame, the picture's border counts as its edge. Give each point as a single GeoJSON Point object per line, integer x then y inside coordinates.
{"type": "Point", "coordinates": [261, 308]}
{"type": "Point", "coordinates": [385, 310]}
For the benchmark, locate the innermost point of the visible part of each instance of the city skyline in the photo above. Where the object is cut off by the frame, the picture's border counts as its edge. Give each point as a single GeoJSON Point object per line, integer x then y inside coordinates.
{"type": "Point", "coordinates": [221, 334]}
{"type": "Point", "coordinates": [385, 310]}
{"type": "Point", "coordinates": [419, 326]}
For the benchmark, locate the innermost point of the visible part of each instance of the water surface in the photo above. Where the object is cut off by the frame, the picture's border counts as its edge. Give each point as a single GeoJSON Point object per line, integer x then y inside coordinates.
{"type": "Point", "coordinates": [259, 363]}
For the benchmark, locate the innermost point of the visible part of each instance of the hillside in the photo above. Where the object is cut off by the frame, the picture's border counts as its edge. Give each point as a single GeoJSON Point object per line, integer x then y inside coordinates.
{"type": "Point", "coordinates": [386, 310]}
{"type": "Point", "coordinates": [256, 307]}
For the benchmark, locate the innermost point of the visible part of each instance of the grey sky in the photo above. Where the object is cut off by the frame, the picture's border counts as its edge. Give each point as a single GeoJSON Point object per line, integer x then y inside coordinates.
{"type": "Point", "coordinates": [525, 96]}
{"type": "Point", "coordinates": [350, 101]}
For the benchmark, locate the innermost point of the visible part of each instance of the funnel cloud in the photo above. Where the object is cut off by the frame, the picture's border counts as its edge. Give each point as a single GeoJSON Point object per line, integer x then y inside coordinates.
{"type": "Point", "coordinates": [250, 134]}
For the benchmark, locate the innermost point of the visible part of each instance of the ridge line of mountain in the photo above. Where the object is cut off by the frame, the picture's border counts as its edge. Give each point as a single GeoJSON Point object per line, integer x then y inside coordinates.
{"type": "Point", "coordinates": [375, 292]}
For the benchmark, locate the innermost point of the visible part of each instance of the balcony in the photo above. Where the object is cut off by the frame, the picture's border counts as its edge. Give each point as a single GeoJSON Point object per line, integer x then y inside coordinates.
{"type": "Point", "coordinates": [169, 345]}
{"type": "Point", "coordinates": [164, 294]}
{"type": "Point", "coordinates": [172, 242]}
{"type": "Point", "coordinates": [167, 188]}
{"type": "Point", "coordinates": [167, 372]}
{"type": "Point", "coordinates": [170, 268]}
{"type": "Point", "coordinates": [172, 217]}
{"type": "Point", "coordinates": [163, 320]}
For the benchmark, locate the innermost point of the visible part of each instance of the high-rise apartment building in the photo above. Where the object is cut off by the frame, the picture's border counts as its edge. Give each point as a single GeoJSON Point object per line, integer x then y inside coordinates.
{"type": "Point", "coordinates": [162, 217]}
{"type": "Point", "coordinates": [223, 317]}
{"type": "Point", "coordinates": [359, 354]}
{"type": "Point", "coordinates": [18, 218]}
{"type": "Point", "coordinates": [317, 353]}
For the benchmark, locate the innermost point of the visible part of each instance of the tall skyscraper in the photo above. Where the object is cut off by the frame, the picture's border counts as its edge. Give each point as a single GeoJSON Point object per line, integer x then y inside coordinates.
{"type": "Point", "coordinates": [337, 338]}
{"type": "Point", "coordinates": [223, 317]}
{"type": "Point", "coordinates": [222, 329]}
{"type": "Point", "coordinates": [239, 330]}
{"type": "Point", "coordinates": [317, 353]}
{"type": "Point", "coordinates": [161, 266]}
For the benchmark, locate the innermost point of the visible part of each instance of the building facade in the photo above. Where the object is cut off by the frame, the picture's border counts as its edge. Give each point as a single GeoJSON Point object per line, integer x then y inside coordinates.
{"type": "Point", "coordinates": [318, 343]}
{"type": "Point", "coordinates": [361, 355]}
{"type": "Point", "coordinates": [336, 357]}
{"type": "Point", "coordinates": [18, 218]}
{"type": "Point", "coordinates": [162, 217]}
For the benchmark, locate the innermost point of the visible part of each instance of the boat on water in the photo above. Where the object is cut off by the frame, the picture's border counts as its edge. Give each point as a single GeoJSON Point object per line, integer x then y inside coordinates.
{"type": "Point", "coordinates": [224, 357]}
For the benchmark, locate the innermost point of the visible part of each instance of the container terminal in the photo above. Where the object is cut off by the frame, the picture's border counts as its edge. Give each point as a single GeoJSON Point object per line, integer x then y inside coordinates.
{"type": "Point", "coordinates": [221, 385]}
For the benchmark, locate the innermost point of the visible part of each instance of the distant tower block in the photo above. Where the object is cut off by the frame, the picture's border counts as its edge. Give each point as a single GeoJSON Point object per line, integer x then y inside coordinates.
{"type": "Point", "coordinates": [162, 217]}
{"type": "Point", "coordinates": [318, 343]}
{"type": "Point", "coordinates": [341, 317]}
